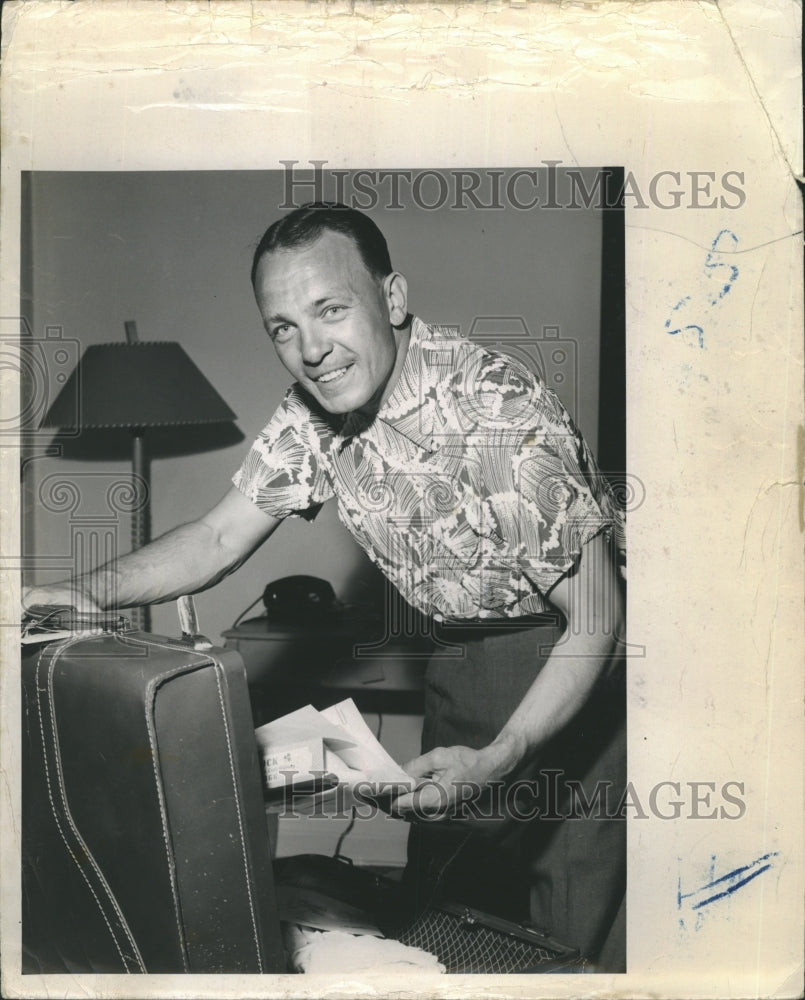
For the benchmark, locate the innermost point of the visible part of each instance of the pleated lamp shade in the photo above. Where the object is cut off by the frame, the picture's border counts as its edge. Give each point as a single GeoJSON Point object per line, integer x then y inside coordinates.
{"type": "Point", "coordinates": [136, 385]}
{"type": "Point", "coordinates": [144, 384]}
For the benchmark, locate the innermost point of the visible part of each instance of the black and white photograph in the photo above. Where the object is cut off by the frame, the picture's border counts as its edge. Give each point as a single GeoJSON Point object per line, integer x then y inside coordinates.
{"type": "Point", "coordinates": [402, 583]}
{"type": "Point", "coordinates": [460, 479]}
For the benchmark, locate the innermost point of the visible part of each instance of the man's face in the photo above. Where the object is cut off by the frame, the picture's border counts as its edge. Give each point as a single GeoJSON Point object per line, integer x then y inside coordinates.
{"type": "Point", "coordinates": [330, 321]}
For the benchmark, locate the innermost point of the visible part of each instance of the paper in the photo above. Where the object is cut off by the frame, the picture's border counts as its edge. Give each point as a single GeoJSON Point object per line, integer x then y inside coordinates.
{"type": "Point", "coordinates": [367, 755]}
{"type": "Point", "coordinates": [39, 637]}
{"type": "Point", "coordinates": [299, 748]}
{"type": "Point", "coordinates": [294, 759]}
{"type": "Point", "coordinates": [303, 724]}
{"type": "Point", "coordinates": [699, 102]}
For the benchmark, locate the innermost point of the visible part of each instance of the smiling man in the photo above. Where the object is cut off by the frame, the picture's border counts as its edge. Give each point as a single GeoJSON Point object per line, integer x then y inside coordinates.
{"type": "Point", "coordinates": [466, 482]}
{"type": "Point", "coordinates": [330, 305]}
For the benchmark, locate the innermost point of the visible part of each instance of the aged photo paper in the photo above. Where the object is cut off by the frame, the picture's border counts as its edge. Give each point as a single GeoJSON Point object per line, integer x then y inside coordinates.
{"type": "Point", "coordinates": [697, 106]}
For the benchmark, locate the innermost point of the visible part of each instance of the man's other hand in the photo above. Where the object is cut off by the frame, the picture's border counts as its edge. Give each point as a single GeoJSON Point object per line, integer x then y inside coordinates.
{"type": "Point", "coordinates": [447, 774]}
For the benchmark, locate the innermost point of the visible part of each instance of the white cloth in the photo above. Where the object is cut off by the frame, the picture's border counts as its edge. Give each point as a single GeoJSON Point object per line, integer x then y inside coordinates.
{"type": "Point", "coordinates": [316, 951]}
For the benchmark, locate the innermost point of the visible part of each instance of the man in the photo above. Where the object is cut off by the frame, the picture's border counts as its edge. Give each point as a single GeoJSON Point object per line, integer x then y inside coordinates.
{"type": "Point", "coordinates": [466, 482]}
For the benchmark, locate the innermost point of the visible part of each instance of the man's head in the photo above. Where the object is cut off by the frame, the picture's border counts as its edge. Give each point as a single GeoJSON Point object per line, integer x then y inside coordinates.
{"type": "Point", "coordinates": [330, 302]}
{"type": "Point", "coordinates": [305, 225]}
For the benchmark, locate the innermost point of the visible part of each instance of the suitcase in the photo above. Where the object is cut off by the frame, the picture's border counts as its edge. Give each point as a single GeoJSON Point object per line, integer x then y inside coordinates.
{"type": "Point", "coordinates": [144, 838]}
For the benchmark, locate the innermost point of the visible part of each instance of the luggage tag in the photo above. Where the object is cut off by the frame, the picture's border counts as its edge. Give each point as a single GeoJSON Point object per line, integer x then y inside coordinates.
{"type": "Point", "coordinates": [48, 622]}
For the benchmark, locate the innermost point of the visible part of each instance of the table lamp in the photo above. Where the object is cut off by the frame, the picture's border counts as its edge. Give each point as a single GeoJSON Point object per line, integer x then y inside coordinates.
{"type": "Point", "coordinates": [136, 385]}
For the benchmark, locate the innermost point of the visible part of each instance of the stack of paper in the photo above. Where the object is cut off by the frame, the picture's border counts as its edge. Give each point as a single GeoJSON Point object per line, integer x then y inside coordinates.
{"type": "Point", "coordinates": [300, 749]}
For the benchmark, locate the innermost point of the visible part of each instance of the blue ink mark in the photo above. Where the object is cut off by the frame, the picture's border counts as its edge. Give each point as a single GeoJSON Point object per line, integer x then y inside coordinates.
{"type": "Point", "coordinates": [677, 306]}
{"type": "Point", "coordinates": [732, 887]}
{"type": "Point", "coordinates": [725, 885]}
{"type": "Point", "coordinates": [712, 267]}
{"type": "Point", "coordinates": [690, 326]}
{"type": "Point", "coordinates": [723, 232]}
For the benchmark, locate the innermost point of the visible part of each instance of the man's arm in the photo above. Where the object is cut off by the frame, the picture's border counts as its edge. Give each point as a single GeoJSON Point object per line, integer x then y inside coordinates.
{"type": "Point", "coordinates": [592, 604]}
{"type": "Point", "coordinates": [187, 559]}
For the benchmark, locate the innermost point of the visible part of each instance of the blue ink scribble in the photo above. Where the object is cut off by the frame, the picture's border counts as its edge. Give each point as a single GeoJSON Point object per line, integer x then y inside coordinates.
{"type": "Point", "coordinates": [690, 326]}
{"type": "Point", "coordinates": [719, 888]}
{"type": "Point", "coordinates": [677, 306]}
{"type": "Point", "coordinates": [712, 266]}
{"type": "Point", "coordinates": [713, 270]}
{"type": "Point", "coordinates": [681, 329]}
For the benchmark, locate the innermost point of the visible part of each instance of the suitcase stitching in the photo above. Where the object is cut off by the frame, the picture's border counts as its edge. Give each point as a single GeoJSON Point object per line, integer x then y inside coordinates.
{"type": "Point", "coordinates": [204, 658]}
{"type": "Point", "coordinates": [218, 672]}
{"type": "Point", "coordinates": [149, 722]}
{"type": "Point", "coordinates": [86, 851]}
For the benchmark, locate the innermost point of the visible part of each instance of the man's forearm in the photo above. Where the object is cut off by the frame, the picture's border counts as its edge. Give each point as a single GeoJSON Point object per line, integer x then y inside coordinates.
{"type": "Point", "coordinates": [185, 560]}
{"type": "Point", "coordinates": [559, 691]}
{"type": "Point", "coordinates": [562, 687]}
{"type": "Point", "coordinates": [593, 606]}
{"type": "Point", "coordinates": [190, 558]}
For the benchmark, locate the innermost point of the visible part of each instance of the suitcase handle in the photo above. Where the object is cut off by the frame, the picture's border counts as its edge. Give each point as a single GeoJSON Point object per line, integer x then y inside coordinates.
{"type": "Point", "coordinates": [188, 622]}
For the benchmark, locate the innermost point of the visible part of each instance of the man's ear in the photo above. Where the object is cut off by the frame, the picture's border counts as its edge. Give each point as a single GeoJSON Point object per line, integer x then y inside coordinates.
{"type": "Point", "coordinates": [395, 290]}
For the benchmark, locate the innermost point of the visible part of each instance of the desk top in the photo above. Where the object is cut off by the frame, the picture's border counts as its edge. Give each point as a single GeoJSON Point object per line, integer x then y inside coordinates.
{"type": "Point", "coordinates": [348, 624]}
{"type": "Point", "coordinates": [335, 657]}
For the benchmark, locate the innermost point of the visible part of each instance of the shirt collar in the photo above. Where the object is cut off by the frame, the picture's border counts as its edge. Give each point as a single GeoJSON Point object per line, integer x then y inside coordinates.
{"type": "Point", "coordinates": [411, 407]}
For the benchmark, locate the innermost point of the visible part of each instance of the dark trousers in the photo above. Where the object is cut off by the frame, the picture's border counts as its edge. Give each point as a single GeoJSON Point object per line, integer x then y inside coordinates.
{"type": "Point", "coordinates": [564, 870]}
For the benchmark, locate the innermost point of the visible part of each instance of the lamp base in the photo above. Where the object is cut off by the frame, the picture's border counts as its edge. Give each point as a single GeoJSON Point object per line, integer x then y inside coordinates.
{"type": "Point", "coordinates": [140, 515]}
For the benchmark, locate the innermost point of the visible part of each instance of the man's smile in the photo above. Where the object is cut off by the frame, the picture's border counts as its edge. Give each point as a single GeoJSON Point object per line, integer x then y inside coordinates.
{"type": "Point", "coordinates": [334, 375]}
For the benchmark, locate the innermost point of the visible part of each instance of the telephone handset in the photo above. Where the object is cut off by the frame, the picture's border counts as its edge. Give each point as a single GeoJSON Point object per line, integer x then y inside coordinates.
{"type": "Point", "coordinates": [299, 597]}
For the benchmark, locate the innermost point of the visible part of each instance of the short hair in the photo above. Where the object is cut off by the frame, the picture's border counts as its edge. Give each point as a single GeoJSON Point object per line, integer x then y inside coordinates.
{"type": "Point", "coordinates": [304, 225]}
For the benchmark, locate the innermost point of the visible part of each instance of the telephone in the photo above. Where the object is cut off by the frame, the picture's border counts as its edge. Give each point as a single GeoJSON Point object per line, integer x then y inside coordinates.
{"type": "Point", "coordinates": [299, 598]}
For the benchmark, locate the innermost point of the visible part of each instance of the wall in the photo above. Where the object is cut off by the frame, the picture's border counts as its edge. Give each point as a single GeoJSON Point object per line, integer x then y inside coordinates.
{"type": "Point", "coordinates": [172, 251]}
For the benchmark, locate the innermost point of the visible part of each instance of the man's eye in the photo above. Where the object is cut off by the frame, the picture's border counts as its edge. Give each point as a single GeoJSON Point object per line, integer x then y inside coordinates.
{"type": "Point", "coordinates": [281, 332]}
{"type": "Point", "coordinates": [333, 310]}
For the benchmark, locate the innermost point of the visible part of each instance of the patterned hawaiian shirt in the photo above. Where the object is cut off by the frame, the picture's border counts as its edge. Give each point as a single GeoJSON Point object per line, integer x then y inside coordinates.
{"type": "Point", "coordinates": [471, 489]}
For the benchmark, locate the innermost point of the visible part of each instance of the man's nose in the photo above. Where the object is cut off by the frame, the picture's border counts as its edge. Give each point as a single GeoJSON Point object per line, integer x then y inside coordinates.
{"type": "Point", "coordinates": [315, 344]}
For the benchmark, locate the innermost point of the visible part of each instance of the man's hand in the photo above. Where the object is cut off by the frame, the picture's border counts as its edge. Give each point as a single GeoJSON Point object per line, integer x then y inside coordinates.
{"type": "Point", "coordinates": [59, 594]}
{"type": "Point", "coordinates": [448, 775]}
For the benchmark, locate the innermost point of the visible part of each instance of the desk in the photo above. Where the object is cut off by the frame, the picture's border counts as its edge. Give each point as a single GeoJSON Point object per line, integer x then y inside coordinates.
{"type": "Point", "coordinates": [290, 664]}
{"type": "Point", "coordinates": [323, 661]}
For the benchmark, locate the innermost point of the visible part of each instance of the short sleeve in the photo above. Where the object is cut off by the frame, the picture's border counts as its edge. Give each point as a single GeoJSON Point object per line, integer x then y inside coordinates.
{"type": "Point", "coordinates": [548, 497]}
{"type": "Point", "coordinates": [284, 472]}
{"type": "Point", "coordinates": [564, 500]}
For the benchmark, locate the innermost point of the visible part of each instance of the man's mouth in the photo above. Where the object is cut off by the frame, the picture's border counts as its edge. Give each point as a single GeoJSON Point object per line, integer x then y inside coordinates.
{"type": "Point", "coordinates": [332, 376]}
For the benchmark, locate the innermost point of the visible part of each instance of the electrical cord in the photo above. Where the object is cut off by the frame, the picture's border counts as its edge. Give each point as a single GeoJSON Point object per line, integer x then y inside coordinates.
{"type": "Point", "coordinates": [344, 832]}
{"type": "Point", "coordinates": [347, 829]}
{"type": "Point", "coordinates": [246, 611]}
